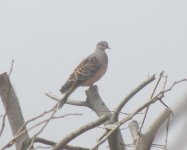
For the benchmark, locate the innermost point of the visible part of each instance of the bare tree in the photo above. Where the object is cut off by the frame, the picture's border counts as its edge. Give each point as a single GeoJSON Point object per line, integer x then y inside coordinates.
{"type": "Point", "coordinates": [110, 119]}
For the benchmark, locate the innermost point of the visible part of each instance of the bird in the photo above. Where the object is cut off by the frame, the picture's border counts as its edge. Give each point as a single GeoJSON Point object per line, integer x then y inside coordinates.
{"type": "Point", "coordinates": [90, 70]}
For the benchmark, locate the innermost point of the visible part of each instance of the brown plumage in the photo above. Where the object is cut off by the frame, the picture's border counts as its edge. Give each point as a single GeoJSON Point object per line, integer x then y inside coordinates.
{"type": "Point", "coordinates": [90, 70]}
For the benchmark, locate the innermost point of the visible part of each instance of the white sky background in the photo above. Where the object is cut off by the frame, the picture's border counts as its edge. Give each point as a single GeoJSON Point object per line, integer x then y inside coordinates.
{"type": "Point", "coordinates": [47, 39]}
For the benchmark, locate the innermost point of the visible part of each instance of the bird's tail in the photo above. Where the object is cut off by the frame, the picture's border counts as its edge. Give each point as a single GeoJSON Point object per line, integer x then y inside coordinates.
{"type": "Point", "coordinates": [67, 86]}
{"type": "Point", "coordinates": [66, 95]}
{"type": "Point", "coordinates": [63, 101]}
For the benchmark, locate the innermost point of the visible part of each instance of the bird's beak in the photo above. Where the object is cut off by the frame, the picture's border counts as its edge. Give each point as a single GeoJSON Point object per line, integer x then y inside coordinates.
{"type": "Point", "coordinates": [108, 47]}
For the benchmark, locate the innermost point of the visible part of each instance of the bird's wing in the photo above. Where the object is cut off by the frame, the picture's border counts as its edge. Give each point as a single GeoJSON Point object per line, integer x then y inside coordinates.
{"type": "Point", "coordinates": [86, 69]}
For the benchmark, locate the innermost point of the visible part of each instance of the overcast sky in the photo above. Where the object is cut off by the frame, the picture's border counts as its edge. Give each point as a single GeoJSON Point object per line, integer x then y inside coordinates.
{"type": "Point", "coordinates": [47, 39]}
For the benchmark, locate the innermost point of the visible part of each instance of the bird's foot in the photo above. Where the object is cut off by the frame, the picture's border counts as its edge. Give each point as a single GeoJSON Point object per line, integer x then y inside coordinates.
{"type": "Point", "coordinates": [94, 87]}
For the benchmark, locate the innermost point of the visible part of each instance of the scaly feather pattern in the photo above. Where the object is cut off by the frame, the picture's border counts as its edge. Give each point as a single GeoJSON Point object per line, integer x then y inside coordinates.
{"type": "Point", "coordinates": [87, 68]}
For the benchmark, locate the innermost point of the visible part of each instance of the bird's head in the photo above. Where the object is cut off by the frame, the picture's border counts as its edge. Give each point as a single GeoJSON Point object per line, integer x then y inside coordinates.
{"type": "Point", "coordinates": [102, 45]}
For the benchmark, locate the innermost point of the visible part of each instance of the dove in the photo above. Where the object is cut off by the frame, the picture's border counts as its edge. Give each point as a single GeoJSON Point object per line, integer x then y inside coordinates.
{"type": "Point", "coordinates": [89, 71]}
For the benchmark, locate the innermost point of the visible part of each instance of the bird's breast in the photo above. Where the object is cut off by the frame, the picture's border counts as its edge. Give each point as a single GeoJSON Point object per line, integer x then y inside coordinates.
{"type": "Point", "coordinates": [103, 60]}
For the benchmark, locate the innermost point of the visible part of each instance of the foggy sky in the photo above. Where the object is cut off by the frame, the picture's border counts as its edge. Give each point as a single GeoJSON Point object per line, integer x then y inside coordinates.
{"type": "Point", "coordinates": [47, 39]}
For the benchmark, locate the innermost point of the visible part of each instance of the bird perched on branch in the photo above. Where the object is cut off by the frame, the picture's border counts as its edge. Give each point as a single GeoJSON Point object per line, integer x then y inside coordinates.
{"type": "Point", "coordinates": [90, 70]}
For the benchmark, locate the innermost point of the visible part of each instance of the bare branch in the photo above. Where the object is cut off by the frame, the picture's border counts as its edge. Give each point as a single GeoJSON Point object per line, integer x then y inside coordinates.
{"type": "Point", "coordinates": [55, 108]}
{"type": "Point", "coordinates": [44, 141]}
{"type": "Point", "coordinates": [45, 122]}
{"type": "Point", "coordinates": [48, 120]}
{"type": "Point", "coordinates": [154, 90]}
{"type": "Point", "coordinates": [22, 129]}
{"type": "Point", "coordinates": [12, 106]}
{"type": "Point", "coordinates": [158, 97]}
{"type": "Point", "coordinates": [79, 131]}
{"type": "Point", "coordinates": [3, 122]}
{"type": "Point", "coordinates": [35, 118]}
{"type": "Point", "coordinates": [51, 143]}
{"type": "Point", "coordinates": [130, 95]}
{"type": "Point", "coordinates": [167, 131]}
{"type": "Point", "coordinates": [134, 130]}
{"type": "Point", "coordinates": [4, 116]}
{"type": "Point", "coordinates": [98, 106]}
{"type": "Point", "coordinates": [51, 118]}
{"type": "Point", "coordinates": [174, 84]}
{"type": "Point", "coordinates": [11, 67]}
{"type": "Point", "coordinates": [106, 117]}
{"type": "Point", "coordinates": [70, 102]}
{"type": "Point", "coordinates": [144, 141]}
{"type": "Point", "coordinates": [124, 120]}
{"type": "Point", "coordinates": [148, 137]}
{"type": "Point", "coordinates": [137, 146]}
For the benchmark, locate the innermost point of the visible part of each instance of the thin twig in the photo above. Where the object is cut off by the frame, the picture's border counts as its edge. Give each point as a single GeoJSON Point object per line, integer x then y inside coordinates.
{"type": "Point", "coordinates": [51, 143]}
{"type": "Point", "coordinates": [129, 96]}
{"type": "Point", "coordinates": [102, 136]}
{"type": "Point", "coordinates": [164, 104]}
{"type": "Point", "coordinates": [11, 142]}
{"type": "Point", "coordinates": [165, 82]}
{"type": "Point", "coordinates": [45, 122]}
{"type": "Point", "coordinates": [11, 67]}
{"type": "Point", "coordinates": [164, 87]}
{"type": "Point", "coordinates": [30, 147]}
{"type": "Point", "coordinates": [147, 109]}
{"type": "Point", "coordinates": [3, 123]}
{"type": "Point", "coordinates": [156, 98]}
{"type": "Point", "coordinates": [154, 90]}
{"type": "Point", "coordinates": [42, 147]}
{"type": "Point", "coordinates": [79, 131]}
{"type": "Point", "coordinates": [158, 146]}
{"type": "Point", "coordinates": [35, 118]}
{"type": "Point", "coordinates": [174, 84]}
{"type": "Point", "coordinates": [121, 122]}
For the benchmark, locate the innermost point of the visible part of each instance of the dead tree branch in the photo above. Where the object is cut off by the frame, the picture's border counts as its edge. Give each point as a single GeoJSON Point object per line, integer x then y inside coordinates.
{"type": "Point", "coordinates": [95, 103]}
{"type": "Point", "coordinates": [70, 102]}
{"type": "Point", "coordinates": [124, 120]}
{"type": "Point", "coordinates": [156, 98]}
{"type": "Point", "coordinates": [134, 130]}
{"type": "Point", "coordinates": [51, 143]}
{"type": "Point", "coordinates": [13, 109]}
{"type": "Point", "coordinates": [98, 106]}
{"type": "Point", "coordinates": [5, 114]}
{"type": "Point", "coordinates": [143, 141]}
{"type": "Point", "coordinates": [79, 131]}
{"type": "Point", "coordinates": [154, 90]}
{"type": "Point", "coordinates": [129, 96]}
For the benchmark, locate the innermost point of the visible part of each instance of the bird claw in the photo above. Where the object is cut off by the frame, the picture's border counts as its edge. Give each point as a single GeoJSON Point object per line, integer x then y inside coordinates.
{"type": "Point", "coordinates": [95, 87]}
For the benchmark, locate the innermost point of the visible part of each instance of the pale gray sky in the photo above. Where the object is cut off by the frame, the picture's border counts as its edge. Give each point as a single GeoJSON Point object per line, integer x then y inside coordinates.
{"type": "Point", "coordinates": [48, 39]}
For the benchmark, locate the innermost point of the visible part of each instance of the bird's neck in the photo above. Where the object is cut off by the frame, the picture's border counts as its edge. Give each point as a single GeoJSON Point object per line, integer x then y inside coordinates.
{"type": "Point", "coordinates": [99, 50]}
